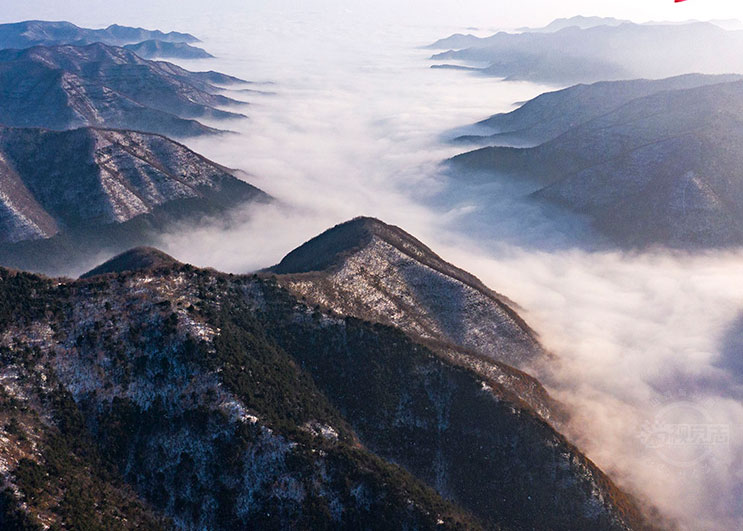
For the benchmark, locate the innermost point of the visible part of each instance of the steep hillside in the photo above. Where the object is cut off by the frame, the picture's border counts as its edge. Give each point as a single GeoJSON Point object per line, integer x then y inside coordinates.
{"type": "Point", "coordinates": [659, 170]}
{"type": "Point", "coordinates": [64, 87]}
{"type": "Point", "coordinates": [459, 41]}
{"type": "Point", "coordinates": [551, 114]}
{"type": "Point", "coordinates": [86, 189]}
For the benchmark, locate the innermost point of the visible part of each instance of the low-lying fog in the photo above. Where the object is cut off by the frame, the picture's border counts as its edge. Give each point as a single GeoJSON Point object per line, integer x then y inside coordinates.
{"type": "Point", "coordinates": [356, 127]}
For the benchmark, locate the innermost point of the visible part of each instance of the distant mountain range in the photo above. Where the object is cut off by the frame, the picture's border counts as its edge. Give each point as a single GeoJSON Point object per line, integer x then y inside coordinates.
{"type": "Point", "coordinates": [44, 33]}
{"type": "Point", "coordinates": [64, 87]}
{"type": "Point", "coordinates": [583, 22]}
{"type": "Point", "coordinates": [68, 195]}
{"type": "Point", "coordinates": [577, 22]}
{"type": "Point", "coordinates": [189, 398]}
{"type": "Point", "coordinates": [660, 169]}
{"type": "Point", "coordinates": [154, 49]}
{"type": "Point", "coordinates": [600, 53]}
{"type": "Point", "coordinates": [148, 44]}
{"type": "Point", "coordinates": [458, 41]}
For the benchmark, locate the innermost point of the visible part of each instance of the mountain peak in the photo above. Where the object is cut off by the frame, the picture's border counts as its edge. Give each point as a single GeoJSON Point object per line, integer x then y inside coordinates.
{"type": "Point", "coordinates": [330, 248]}
{"type": "Point", "coordinates": [139, 258]}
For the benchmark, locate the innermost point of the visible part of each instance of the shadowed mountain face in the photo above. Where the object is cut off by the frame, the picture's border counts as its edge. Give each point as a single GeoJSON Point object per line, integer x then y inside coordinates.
{"type": "Point", "coordinates": [662, 169]}
{"type": "Point", "coordinates": [575, 55]}
{"type": "Point", "coordinates": [64, 87]}
{"type": "Point", "coordinates": [81, 184]}
{"type": "Point", "coordinates": [43, 33]}
{"type": "Point", "coordinates": [224, 402]}
{"type": "Point", "coordinates": [553, 113]}
{"type": "Point", "coordinates": [154, 49]}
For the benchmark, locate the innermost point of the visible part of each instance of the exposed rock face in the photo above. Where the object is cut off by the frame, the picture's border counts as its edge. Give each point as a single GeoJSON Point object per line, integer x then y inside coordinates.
{"type": "Point", "coordinates": [44, 33]}
{"type": "Point", "coordinates": [604, 52]}
{"type": "Point", "coordinates": [64, 87]}
{"type": "Point", "coordinates": [76, 186]}
{"type": "Point", "coordinates": [659, 170]}
{"type": "Point", "coordinates": [154, 49]}
{"type": "Point", "coordinates": [222, 401]}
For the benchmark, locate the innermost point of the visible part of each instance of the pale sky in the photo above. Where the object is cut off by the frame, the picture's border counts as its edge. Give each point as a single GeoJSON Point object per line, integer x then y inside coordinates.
{"type": "Point", "coordinates": [481, 13]}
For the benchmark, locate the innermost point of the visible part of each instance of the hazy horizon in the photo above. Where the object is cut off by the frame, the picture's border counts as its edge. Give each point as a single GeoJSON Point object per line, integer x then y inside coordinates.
{"type": "Point", "coordinates": [481, 14]}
